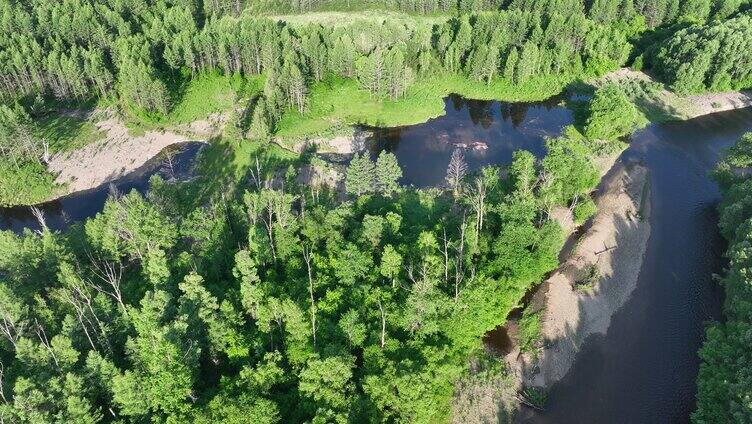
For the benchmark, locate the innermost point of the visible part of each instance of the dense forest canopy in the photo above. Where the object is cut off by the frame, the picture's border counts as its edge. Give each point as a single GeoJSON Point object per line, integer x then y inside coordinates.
{"type": "Point", "coordinates": [272, 301]}
{"type": "Point", "coordinates": [278, 304]}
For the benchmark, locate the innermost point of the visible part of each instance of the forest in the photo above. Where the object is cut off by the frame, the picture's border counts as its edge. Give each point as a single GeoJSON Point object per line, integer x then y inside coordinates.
{"type": "Point", "coordinates": [137, 57]}
{"type": "Point", "coordinates": [280, 303]}
{"type": "Point", "coordinates": [725, 383]}
{"type": "Point", "coordinates": [267, 300]}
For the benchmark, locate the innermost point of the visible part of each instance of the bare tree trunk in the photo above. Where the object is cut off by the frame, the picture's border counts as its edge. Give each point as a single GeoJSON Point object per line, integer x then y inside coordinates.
{"type": "Point", "coordinates": [46, 343]}
{"type": "Point", "coordinates": [2, 386]}
{"type": "Point", "coordinates": [39, 215]}
{"type": "Point", "coordinates": [458, 275]}
{"type": "Point", "coordinates": [383, 323]}
{"type": "Point", "coordinates": [446, 257]}
{"type": "Point", "coordinates": [307, 258]}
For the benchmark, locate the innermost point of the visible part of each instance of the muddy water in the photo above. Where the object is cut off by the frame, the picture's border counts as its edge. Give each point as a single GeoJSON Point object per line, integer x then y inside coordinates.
{"type": "Point", "coordinates": [487, 132]}
{"type": "Point", "coordinates": [84, 204]}
{"type": "Point", "coordinates": [644, 369]}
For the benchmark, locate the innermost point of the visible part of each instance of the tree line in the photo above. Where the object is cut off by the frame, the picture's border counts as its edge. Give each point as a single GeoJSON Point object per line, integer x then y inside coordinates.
{"type": "Point", "coordinates": [713, 57]}
{"type": "Point", "coordinates": [724, 384]}
{"type": "Point", "coordinates": [138, 52]}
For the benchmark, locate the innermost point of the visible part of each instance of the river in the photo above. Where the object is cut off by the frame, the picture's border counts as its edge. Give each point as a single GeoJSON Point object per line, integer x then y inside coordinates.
{"type": "Point", "coordinates": [643, 370]}
{"type": "Point", "coordinates": [80, 205]}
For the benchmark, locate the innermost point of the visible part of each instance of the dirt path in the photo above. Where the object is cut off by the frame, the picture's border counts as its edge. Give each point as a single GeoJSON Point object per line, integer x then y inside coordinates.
{"type": "Point", "coordinates": [118, 152]}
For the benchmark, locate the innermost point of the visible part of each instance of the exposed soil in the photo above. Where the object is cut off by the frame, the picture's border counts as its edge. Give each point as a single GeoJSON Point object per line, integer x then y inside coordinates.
{"type": "Point", "coordinates": [614, 243]}
{"type": "Point", "coordinates": [341, 145]}
{"type": "Point", "coordinates": [118, 152]}
{"type": "Point", "coordinates": [676, 106]}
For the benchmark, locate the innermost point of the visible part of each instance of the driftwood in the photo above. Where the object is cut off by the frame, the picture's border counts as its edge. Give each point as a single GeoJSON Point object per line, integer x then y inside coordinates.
{"type": "Point", "coordinates": [605, 249]}
{"type": "Point", "coordinates": [521, 398]}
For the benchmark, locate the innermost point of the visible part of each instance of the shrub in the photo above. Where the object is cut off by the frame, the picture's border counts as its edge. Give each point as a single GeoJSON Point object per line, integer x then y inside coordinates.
{"type": "Point", "coordinates": [612, 115]}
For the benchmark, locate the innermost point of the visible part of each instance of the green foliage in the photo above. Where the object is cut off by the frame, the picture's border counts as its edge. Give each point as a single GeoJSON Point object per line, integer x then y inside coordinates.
{"type": "Point", "coordinates": [535, 396]}
{"type": "Point", "coordinates": [529, 330]}
{"type": "Point", "coordinates": [27, 184]}
{"type": "Point", "coordinates": [590, 280]}
{"type": "Point", "coordinates": [364, 176]}
{"type": "Point", "coordinates": [724, 386]}
{"type": "Point", "coordinates": [707, 57]}
{"type": "Point", "coordinates": [360, 178]}
{"type": "Point", "coordinates": [584, 210]}
{"type": "Point", "coordinates": [23, 177]}
{"type": "Point", "coordinates": [612, 115]}
{"type": "Point", "coordinates": [388, 172]}
{"type": "Point", "coordinates": [277, 305]}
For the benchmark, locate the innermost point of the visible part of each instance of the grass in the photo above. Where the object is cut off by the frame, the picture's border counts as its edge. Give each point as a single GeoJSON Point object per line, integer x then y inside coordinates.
{"type": "Point", "coordinates": [224, 165]}
{"type": "Point", "coordinates": [341, 15]}
{"type": "Point", "coordinates": [338, 102]}
{"type": "Point", "coordinates": [66, 133]}
{"type": "Point", "coordinates": [530, 330]}
{"type": "Point", "coordinates": [211, 93]}
{"type": "Point", "coordinates": [196, 98]}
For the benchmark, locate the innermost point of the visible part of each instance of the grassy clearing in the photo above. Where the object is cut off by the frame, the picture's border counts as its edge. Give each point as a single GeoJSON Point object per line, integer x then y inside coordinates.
{"type": "Point", "coordinates": [338, 102]}
{"type": "Point", "coordinates": [342, 15]}
{"type": "Point", "coordinates": [212, 93]}
{"type": "Point", "coordinates": [232, 159]}
{"type": "Point", "coordinates": [197, 98]}
{"type": "Point", "coordinates": [66, 133]}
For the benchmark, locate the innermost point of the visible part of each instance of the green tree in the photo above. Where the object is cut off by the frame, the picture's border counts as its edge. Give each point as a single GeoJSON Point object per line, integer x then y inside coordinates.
{"type": "Point", "coordinates": [360, 175]}
{"type": "Point", "coordinates": [388, 172]}
{"type": "Point", "coordinates": [612, 114]}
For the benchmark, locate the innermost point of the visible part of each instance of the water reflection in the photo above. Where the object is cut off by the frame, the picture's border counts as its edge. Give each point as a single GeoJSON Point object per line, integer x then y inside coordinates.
{"type": "Point", "coordinates": [488, 132]}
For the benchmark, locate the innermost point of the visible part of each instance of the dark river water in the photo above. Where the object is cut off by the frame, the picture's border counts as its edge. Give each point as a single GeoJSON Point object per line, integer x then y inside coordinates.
{"type": "Point", "coordinates": [487, 132]}
{"type": "Point", "coordinates": [78, 206]}
{"type": "Point", "coordinates": [643, 370]}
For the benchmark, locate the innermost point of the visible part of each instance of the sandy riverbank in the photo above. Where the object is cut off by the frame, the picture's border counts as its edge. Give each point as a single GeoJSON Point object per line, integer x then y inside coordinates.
{"type": "Point", "coordinates": [118, 152]}
{"type": "Point", "coordinates": [659, 103]}
{"type": "Point", "coordinates": [615, 243]}
{"type": "Point", "coordinates": [340, 145]}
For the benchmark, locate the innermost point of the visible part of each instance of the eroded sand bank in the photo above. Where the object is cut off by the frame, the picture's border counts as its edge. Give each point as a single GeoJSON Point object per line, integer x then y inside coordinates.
{"type": "Point", "coordinates": [118, 152]}
{"type": "Point", "coordinates": [615, 243]}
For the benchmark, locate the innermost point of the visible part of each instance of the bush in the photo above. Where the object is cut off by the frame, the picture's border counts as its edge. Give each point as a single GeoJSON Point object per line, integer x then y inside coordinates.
{"type": "Point", "coordinates": [529, 330]}
{"type": "Point", "coordinates": [27, 184]}
{"type": "Point", "coordinates": [612, 115]}
{"type": "Point", "coordinates": [584, 210]}
{"type": "Point", "coordinates": [592, 277]}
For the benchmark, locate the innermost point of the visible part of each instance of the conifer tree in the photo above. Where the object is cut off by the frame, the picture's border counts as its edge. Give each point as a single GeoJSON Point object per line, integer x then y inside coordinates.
{"type": "Point", "coordinates": [388, 172]}
{"type": "Point", "coordinates": [360, 178]}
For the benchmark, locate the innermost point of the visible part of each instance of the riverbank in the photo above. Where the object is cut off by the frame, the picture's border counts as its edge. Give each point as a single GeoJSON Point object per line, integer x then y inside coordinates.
{"type": "Point", "coordinates": [660, 104]}
{"type": "Point", "coordinates": [120, 150]}
{"type": "Point", "coordinates": [572, 305]}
